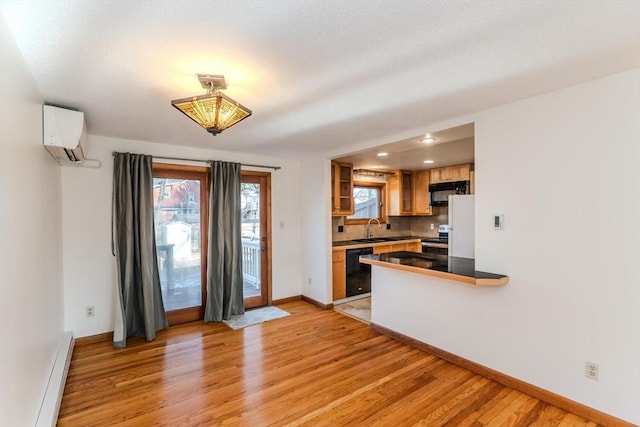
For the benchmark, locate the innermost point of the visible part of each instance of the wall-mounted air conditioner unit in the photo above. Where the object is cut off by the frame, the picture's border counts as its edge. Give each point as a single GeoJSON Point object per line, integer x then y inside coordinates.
{"type": "Point", "coordinates": [64, 134]}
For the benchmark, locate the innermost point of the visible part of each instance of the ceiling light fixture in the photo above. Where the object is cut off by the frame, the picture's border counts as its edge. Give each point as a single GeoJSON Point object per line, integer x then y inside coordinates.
{"type": "Point", "coordinates": [382, 154]}
{"type": "Point", "coordinates": [428, 140]}
{"type": "Point", "coordinates": [428, 161]}
{"type": "Point", "coordinates": [214, 111]}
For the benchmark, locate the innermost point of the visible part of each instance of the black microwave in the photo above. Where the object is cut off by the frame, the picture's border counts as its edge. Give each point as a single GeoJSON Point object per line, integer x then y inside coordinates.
{"type": "Point", "coordinates": [439, 193]}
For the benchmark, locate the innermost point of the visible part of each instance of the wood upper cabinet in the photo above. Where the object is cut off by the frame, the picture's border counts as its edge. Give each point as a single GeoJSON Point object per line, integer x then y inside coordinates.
{"type": "Point", "coordinates": [421, 202]}
{"type": "Point", "coordinates": [451, 173]}
{"type": "Point", "coordinates": [339, 274]}
{"type": "Point", "coordinates": [400, 192]}
{"type": "Point", "coordinates": [341, 189]}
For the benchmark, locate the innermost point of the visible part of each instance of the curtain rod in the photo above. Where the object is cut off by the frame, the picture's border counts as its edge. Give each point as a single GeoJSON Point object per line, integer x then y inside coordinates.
{"type": "Point", "coordinates": [208, 161]}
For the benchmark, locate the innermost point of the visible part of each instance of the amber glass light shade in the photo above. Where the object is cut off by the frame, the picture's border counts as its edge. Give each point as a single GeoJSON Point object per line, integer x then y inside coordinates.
{"type": "Point", "coordinates": [215, 112]}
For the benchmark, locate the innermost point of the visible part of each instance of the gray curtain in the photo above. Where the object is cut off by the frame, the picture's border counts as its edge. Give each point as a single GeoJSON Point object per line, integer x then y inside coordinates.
{"type": "Point", "coordinates": [139, 310]}
{"type": "Point", "coordinates": [224, 262]}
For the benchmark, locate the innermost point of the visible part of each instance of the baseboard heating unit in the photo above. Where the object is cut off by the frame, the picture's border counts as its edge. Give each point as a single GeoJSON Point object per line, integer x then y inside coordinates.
{"type": "Point", "coordinates": [48, 415]}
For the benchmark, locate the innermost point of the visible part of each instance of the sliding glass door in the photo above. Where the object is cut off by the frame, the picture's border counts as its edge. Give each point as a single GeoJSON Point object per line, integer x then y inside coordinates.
{"type": "Point", "coordinates": [180, 196]}
{"type": "Point", "coordinates": [181, 201]}
{"type": "Point", "coordinates": [256, 238]}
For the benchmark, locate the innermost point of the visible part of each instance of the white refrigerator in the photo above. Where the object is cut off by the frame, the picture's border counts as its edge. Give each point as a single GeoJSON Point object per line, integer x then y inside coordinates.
{"type": "Point", "coordinates": [461, 226]}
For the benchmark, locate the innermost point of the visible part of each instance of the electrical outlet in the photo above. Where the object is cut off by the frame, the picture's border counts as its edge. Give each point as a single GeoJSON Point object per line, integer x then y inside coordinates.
{"type": "Point", "coordinates": [90, 311]}
{"type": "Point", "coordinates": [591, 370]}
{"type": "Point", "coordinates": [432, 226]}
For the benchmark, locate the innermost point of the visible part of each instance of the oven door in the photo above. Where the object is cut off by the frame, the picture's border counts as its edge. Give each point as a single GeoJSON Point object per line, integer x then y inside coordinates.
{"type": "Point", "coordinates": [435, 248]}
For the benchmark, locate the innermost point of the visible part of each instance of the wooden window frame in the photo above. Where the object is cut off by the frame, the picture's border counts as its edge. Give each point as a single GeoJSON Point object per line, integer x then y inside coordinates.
{"type": "Point", "coordinates": [382, 187]}
{"type": "Point", "coordinates": [265, 212]}
{"type": "Point", "coordinates": [170, 170]}
{"type": "Point", "coordinates": [166, 170]}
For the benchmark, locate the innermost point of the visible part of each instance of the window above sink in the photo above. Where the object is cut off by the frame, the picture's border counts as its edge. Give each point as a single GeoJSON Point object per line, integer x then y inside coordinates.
{"type": "Point", "coordinates": [368, 200]}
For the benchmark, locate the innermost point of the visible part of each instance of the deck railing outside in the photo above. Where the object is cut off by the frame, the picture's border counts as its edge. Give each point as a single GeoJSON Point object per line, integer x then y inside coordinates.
{"type": "Point", "coordinates": [251, 262]}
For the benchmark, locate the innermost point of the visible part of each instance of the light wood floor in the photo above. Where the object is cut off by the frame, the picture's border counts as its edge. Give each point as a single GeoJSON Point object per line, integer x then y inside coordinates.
{"type": "Point", "coordinates": [315, 368]}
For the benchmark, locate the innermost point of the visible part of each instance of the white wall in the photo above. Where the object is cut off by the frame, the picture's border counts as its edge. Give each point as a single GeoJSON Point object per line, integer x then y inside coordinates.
{"type": "Point", "coordinates": [563, 169]}
{"type": "Point", "coordinates": [30, 244]}
{"type": "Point", "coordinates": [89, 268]}
{"type": "Point", "coordinates": [573, 156]}
{"type": "Point", "coordinates": [316, 229]}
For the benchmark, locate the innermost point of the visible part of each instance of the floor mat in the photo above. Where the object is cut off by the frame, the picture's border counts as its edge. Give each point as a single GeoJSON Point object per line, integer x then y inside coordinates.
{"type": "Point", "coordinates": [253, 317]}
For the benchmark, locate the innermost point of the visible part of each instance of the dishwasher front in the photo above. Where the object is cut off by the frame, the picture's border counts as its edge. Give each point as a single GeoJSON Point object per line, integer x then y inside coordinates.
{"type": "Point", "coordinates": [358, 275]}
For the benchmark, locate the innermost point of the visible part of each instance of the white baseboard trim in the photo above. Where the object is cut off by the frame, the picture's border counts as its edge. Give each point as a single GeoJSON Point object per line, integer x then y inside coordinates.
{"type": "Point", "coordinates": [48, 415]}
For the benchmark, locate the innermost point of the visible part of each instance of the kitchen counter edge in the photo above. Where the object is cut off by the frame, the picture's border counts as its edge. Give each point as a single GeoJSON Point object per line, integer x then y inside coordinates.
{"type": "Point", "coordinates": [348, 244]}
{"type": "Point", "coordinates": [476, 281]}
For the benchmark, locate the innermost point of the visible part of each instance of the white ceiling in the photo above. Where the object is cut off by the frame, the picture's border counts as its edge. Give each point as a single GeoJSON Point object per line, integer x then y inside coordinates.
{"type": "Point", "coordinates": [320, 76]}
{"type": "Point", "coordinates": [450, 147]}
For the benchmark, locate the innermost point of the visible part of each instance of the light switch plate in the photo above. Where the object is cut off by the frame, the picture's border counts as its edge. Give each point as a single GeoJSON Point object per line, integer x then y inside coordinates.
{"type": "Point", "coordinates": [498, 222]}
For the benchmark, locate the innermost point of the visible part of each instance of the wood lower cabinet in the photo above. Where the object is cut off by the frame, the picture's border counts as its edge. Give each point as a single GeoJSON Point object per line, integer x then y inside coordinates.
{"type": "Point", "coordinates": [339, 274]}
{"type": "Point", "coordinates": [451, 173]}
{"type": "Point", "coordinates": [421, 202]}
{"type": "Point", "coordinates": [398, 247]}
{"type": "Point", "coordinates": [414, 247]}
{"type": "Point", "coordinates": [472, 182]}
{"type": "Point", "coordinates": [339, 263]}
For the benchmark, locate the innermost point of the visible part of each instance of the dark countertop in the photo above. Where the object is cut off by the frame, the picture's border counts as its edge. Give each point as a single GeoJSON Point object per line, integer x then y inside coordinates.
{"type": "Point", "coordinates": [454, 268]}
{"type": "Point", "coordinates": [359, 243]}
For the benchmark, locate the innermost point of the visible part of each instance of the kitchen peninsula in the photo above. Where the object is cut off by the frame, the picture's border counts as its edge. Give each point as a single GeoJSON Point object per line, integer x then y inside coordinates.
{"type": "Point", "coordinates": [350, 277]}
{"type": "Point", "coordinates": [452, 268]}
{"type": "Point", "coordinates": [412, 295]}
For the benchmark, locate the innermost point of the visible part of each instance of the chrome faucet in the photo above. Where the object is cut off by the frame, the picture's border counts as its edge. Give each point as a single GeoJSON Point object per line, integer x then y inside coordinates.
{"type": "Point", "coordinates": [369, 235]}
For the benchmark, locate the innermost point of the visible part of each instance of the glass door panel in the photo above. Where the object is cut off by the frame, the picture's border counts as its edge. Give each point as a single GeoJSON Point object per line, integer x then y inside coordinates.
{"type": "Point", "coordinates": [254, 191]}
{"type": "Point", "coordinates": [251, 247]}
{"type": "Point", "coordinates": [178, 240]}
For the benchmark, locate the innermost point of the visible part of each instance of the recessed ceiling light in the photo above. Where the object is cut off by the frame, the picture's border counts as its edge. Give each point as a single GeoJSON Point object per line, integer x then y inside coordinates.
{"type": "Point", "coordinates": [428, 140]}
{"type": "Point", "coordinates": [374, 167]}
{"type": "Point", "coordinates": [382, 154]}
{"type": "Point", "coordinates": [428, 161]}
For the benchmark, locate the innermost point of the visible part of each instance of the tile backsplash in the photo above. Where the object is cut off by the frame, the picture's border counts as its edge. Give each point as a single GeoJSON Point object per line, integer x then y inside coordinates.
{"type": "Point", "coordinates": [400, 226]}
